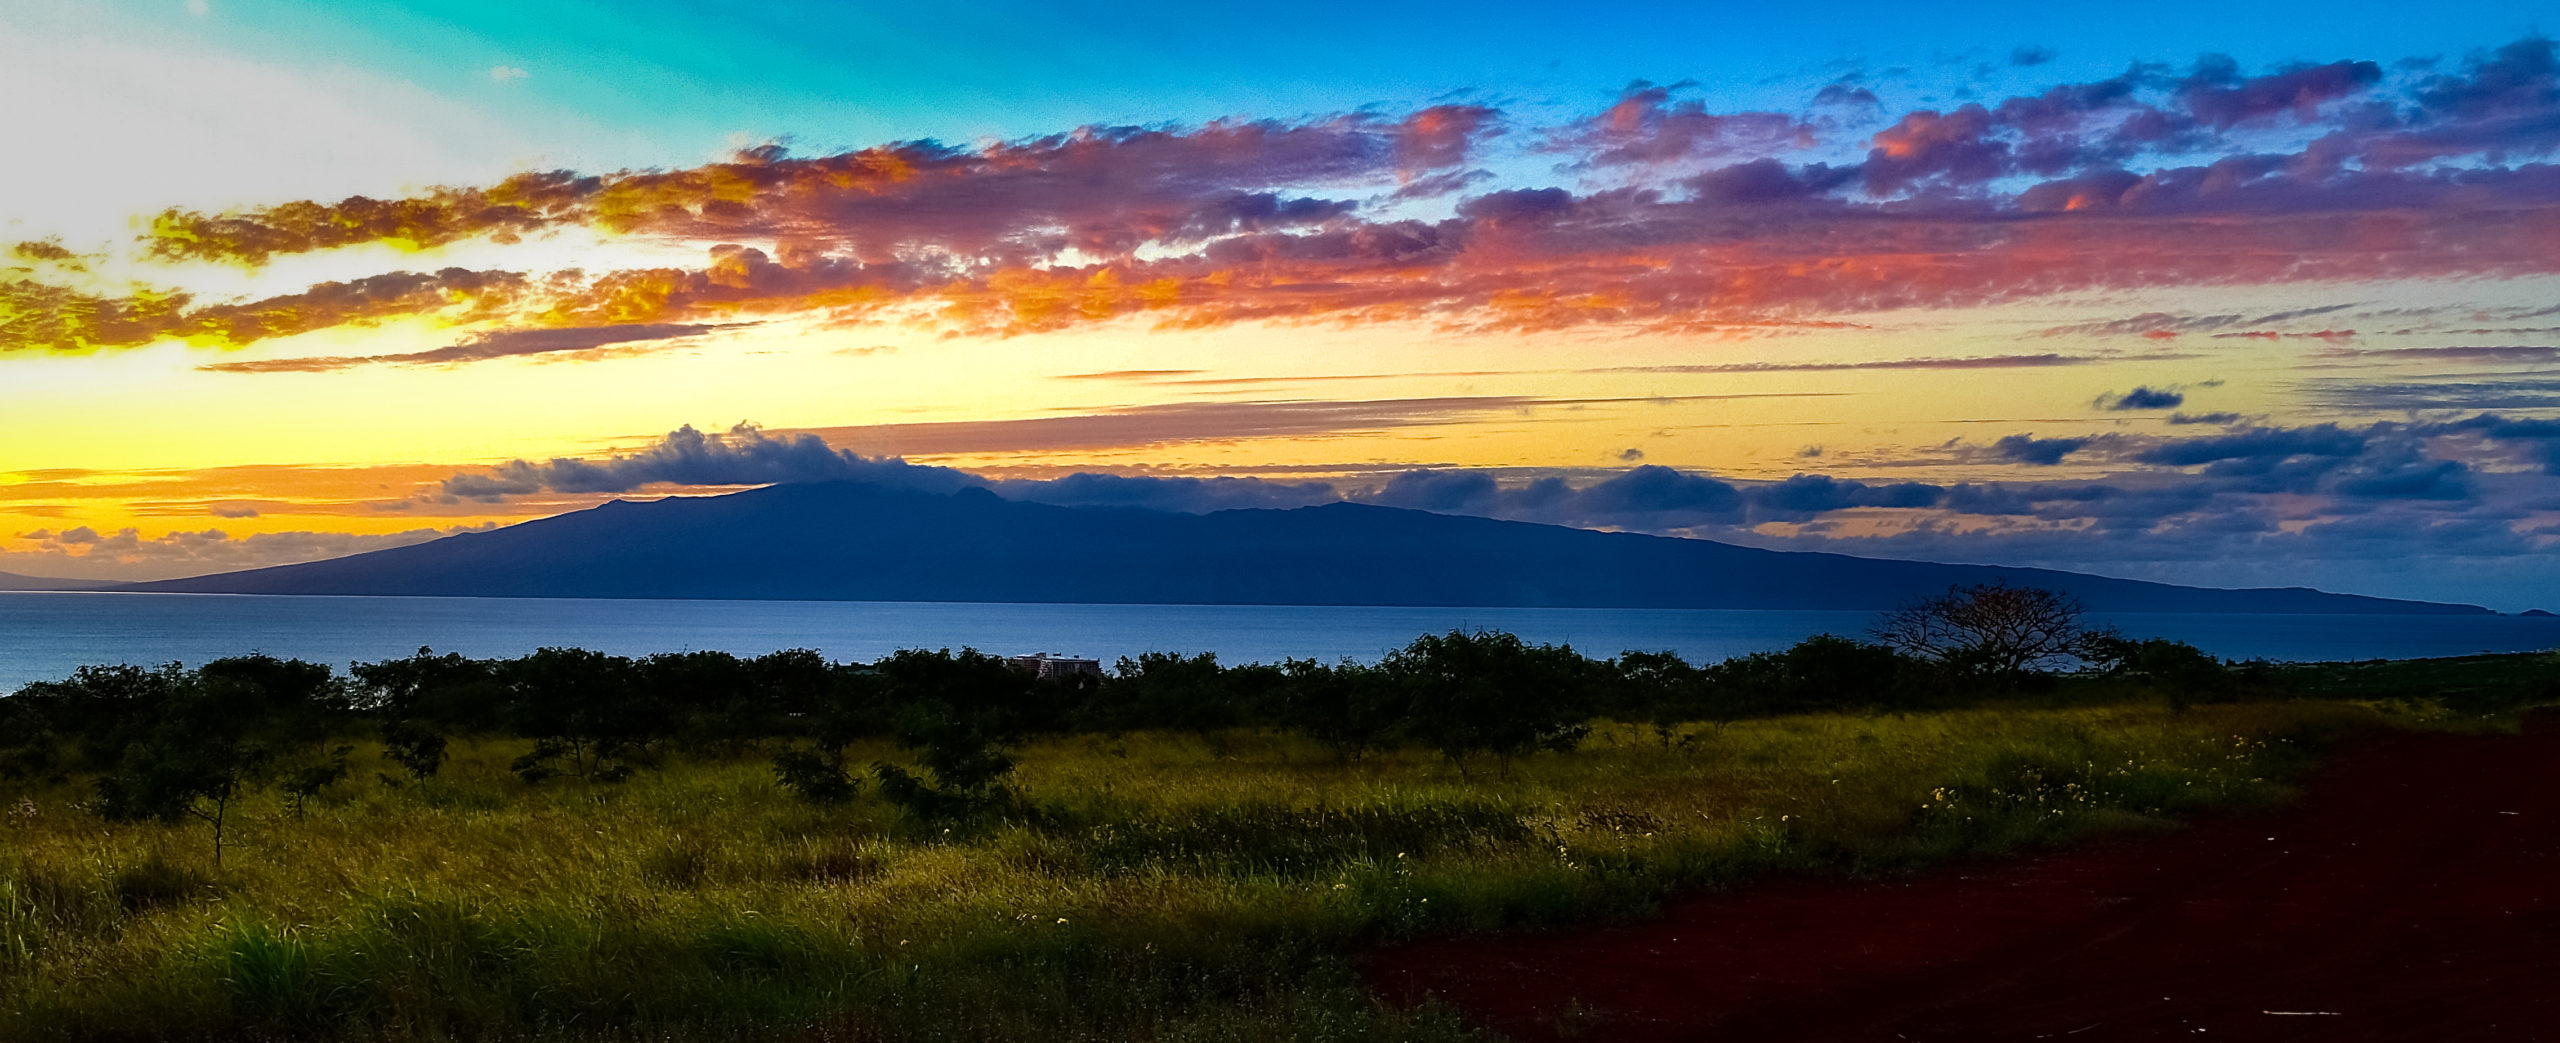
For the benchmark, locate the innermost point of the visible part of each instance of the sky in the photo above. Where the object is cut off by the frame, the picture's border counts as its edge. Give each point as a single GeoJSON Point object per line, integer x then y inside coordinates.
{"type": "Point", "coordinates": [2261, 294]}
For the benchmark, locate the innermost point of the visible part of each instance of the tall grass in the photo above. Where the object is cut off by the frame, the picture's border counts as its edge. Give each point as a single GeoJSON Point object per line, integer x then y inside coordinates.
{"type": "Point", "coordinates": [1157, 886]}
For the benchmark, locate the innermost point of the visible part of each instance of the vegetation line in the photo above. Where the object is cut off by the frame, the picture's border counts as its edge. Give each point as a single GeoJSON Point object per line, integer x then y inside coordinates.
{"type": "Point", "coordinates": [939, 846]}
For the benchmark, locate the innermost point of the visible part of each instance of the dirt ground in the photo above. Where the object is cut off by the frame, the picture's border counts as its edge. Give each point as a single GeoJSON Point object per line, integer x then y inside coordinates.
{"type": "Point", "coordinates": [2412, 894]}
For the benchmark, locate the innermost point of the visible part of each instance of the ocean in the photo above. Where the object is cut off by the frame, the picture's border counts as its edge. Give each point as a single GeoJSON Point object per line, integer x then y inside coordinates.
{"type": "Point", "coordinates": [44, 636]}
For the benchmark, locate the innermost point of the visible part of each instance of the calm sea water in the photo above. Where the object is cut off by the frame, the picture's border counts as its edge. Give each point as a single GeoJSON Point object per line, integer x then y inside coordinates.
{"type": "Point", "coordinates": [44, 635]}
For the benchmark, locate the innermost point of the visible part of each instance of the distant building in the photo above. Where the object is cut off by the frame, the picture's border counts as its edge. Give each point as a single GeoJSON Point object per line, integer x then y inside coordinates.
{"type": "Point", "coordinates": [1050, 667]}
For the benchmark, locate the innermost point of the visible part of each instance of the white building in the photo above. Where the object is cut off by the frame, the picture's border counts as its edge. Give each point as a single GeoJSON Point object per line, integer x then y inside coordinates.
{"type": "Point", "coordinates": [1049, 666]}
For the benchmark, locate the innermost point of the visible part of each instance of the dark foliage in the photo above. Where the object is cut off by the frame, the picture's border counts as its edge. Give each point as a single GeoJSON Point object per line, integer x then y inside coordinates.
{"type": "Point", "coordinates": [1487, 692]}
{"type": "Point", "coordinates": [1349, 708]}
{"type": "Point", "coordinates": [447, 691]}
{"type": "Point", "coordinates": [585, 712]}
{"type": "Point", "coordinates": [173, 744]}
{"type": "Point", "coordinates": [2182, 670]}
{"type": "Point", "coordinates": [1185, 692]}
{"type": "Point", "coordinates": [413, 746]}
{"type": "Point", "coordinates": [190, 744]}
{"type": "Point", "coordinates": [1992, 632]}
{"type": "Point", "coordinates": [961, 714]}
{"type": "Point", "coordinates": [304, 781]}
{"type": "Point", "coordinates": [817, 776]}
{"type": "Point", "coordinates": [1820, 673]}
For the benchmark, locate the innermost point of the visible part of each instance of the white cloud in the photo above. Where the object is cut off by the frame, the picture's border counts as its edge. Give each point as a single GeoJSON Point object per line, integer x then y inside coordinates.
{"type": "Point", "coordinates": [121, 120]}
{"type": "Point", "coordinates": [505, 73]}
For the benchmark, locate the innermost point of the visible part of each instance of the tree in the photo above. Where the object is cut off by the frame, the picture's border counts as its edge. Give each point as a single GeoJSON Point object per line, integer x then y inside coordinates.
{"type": "Point", "coordinates": [1661, 689]}
{"type": "Point", "coordinates": [584, 714]}
{"type": "Point", "coordinates": [1490, 692]}
{"type": "Point", "coordinates": [27, 739]}
{"type": "Point", "coordinates": [413, 746]}
{"type": "Point", "coordinates": [962, 715]}
{"type": "Point", "coordinates": [832, 711]}
{"type": "Point", "coordinates": [1191, 693]}
{"type": "Point", "coordinates": [216, 735]}
{"type": "Point", "coordinates": [1819, 673]}
{"type": "Point", "coordinates": [1349, 708]}
{"type": "Point", "coordinates": [2183, 672]}
{"type": "Point", "coordinates": [438, 692]}
{"type": "Point", "coordinates": [175, 776]}
{"type": "Point", "coordinates": [305, 780]}
{"type": "Point", "coordinates": [1992, 630]}
{"type": "Point", "coordinates": [107, 708]}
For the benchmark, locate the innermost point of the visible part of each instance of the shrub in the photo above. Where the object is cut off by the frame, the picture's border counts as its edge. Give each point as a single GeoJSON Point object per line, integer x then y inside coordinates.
{"type": "Point", "coordinates": [817, 776]}
{"type": "Point", "coordinates": [1487, 692]}
{"type": "Point", "coordinates": [213, 738]}
{"type": "Point", "coordinates": [1349, 708]}
{"type": "Point", "coordinates": [962, 715]}
{"type": "Point", "coordinates": [2185, 673]}
{"type": "Point", "coordinates": [584, 714]}
{"type": "Point", "coordinates": [413, 746]}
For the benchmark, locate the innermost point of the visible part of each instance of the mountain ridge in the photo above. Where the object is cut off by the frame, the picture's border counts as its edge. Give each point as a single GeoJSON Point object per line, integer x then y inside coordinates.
{"type": "Point", "coordinates": [15, 583]}
{"type": "Point", "coordinates": [854, 541]}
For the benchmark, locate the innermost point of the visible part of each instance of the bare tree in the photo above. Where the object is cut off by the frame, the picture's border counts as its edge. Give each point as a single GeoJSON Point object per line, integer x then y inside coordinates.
{"type": "Point", "coordinates": [1990, 628]}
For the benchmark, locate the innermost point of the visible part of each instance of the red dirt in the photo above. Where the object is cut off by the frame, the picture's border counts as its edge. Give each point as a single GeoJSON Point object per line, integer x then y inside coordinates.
{"type": "Point", "coordinates": [2413, 893]}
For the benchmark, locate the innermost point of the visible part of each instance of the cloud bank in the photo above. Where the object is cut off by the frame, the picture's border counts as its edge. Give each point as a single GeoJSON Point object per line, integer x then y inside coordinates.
{"type": "Point", "coordinates": [2345, 171]}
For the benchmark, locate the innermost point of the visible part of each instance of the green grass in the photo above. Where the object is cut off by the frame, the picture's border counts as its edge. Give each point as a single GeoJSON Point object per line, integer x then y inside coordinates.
{"type": "Point", "coordinates": [2485, 682]}
{"type": "Point", "coordinates": [1162, 887]}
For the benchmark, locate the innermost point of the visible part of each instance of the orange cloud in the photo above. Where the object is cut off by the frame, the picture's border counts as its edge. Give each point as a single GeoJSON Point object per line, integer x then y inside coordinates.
{"type": "Point", "coordinates": [38, 317]}
{"type": "Point", "coordinates": [1101, 189]}
{"type": "Point", "coordinates": [1239, 221]}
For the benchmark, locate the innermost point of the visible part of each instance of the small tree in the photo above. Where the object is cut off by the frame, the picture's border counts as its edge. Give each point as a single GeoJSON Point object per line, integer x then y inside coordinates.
{"type": "Point", "coordinates": [172, 779]}
{"type": "Point", "coordinates": [2181, 671]}
{"type": "Point", "coordinates": [413, 746]}
{"type": "Point", "coordinates": [218, 734]}
{"type": "Point", "coordinates": [1349, 707]}
{"type": "Point", "coordinates": [962, 715]}
{"type": "Point", "coordinates": [1820, 673]}
{"type": "Point", "coordinates": [27, 739]}
{"type": "Point", "coordinates": [848, 708]}
{"type": "Point", "coordinates": [443, 692]}
{"type": "Point", "coordinates": [1490, 692]}
{"type": "Point", "coordinates": [1991, 629]}
{"type": "Point", "coordinates": [1167, 690]}
{"type": "Point", "coordinates": [584, 713]}
{"type": "Point", "coordinates": [1661, 689]}
{"type": "Point", "coordinates": [305, 780]}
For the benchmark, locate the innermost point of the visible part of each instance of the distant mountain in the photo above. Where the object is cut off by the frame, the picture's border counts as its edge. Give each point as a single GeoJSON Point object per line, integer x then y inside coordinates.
{"type": "Point", "coordinates": [13, 581]}
{"type": "Point", "coordinates": [843, 541]}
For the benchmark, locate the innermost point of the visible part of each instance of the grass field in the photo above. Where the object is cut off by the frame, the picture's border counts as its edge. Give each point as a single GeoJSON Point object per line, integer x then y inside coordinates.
{"type": "Point", "coordinates": [1157, 886]}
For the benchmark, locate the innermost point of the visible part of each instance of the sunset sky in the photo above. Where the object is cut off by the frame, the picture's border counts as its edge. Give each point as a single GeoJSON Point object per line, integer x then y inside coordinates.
{"type": "Point", "coordinates": [2235, 294]}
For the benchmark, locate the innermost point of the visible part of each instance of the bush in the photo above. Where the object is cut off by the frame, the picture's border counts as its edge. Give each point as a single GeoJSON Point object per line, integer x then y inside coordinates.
{"type": "Point", "coordinates": [1660, 689]}
{"type": "Point", "coordinates": [962, 715]}
{"type": "Point", "coordinates": [413, 746]}
{"type": "Point", "coordinates": [2185, 673]}
{"type": "Point", "coordinates": [584, 714]}
{"type": "Point", "coordinates": [1486, 692]}
{"type": "Point", "coordinates": [1822, 672]}
{"type": "Point", "coordinates": [817, 776]}
{"type": "Point", "coordinates": [1349, 708]}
